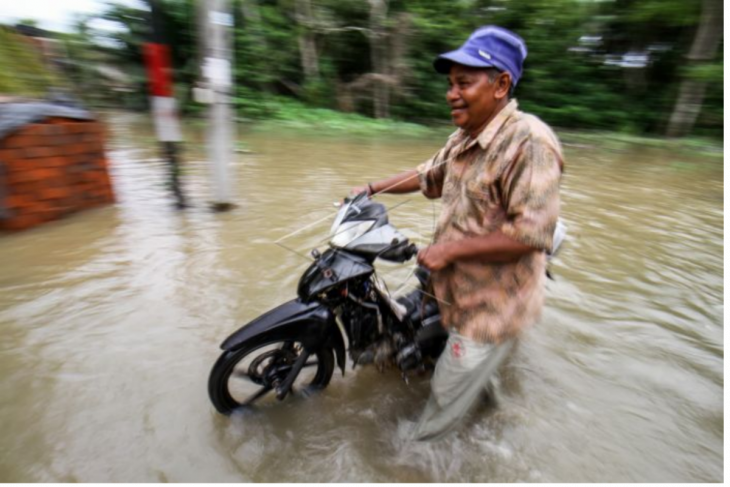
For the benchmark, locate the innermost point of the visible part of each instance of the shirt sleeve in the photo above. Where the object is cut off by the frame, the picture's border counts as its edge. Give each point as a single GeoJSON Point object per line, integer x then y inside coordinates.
{"type": "Point", "coordinates": [432, 173]}
{"type": "Point", "coordinates": [531, 192]}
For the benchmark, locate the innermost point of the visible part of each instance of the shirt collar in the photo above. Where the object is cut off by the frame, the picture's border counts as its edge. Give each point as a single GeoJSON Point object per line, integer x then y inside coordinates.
{"type": "Point", "coordinates": [490, 131]}
{"type": "Point", "coordinates": [462, 141]}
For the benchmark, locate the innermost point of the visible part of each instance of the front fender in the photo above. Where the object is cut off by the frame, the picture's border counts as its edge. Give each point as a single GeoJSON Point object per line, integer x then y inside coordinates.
{"type": "Point", "coordinates": [313, 324]}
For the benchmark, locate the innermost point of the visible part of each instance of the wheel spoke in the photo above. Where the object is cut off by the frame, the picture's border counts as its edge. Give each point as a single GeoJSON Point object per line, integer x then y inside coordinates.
{"type": "Point", "coordinates": [256, 396]}
{"type": "Point", "coordinates": [243, 375]}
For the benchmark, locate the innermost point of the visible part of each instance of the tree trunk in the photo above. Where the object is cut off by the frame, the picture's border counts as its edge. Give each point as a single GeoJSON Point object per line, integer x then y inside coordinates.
{"type": "Point", "coordinates": [379, 57]}
{"type": "Point", "coordinates": [692, 92]}
{"type": "Point", "coordinates": [202, 28]}
{"type": "Point", "coordinates": [253, 22]}
{"type": "Point", "coordinates": [307, 44]}
{"type": "Point", "coordinates": [343, 94]}
{"type": "Point", "coordinates": [398, 52]}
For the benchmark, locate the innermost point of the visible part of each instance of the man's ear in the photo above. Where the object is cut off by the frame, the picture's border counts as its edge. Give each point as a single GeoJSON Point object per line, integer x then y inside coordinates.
{"type": "Point", "coordinates": [504, 82]}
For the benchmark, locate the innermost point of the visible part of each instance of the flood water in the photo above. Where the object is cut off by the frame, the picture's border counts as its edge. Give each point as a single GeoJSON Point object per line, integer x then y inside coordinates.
{"type": "Point", "coordinates": [111, 321]}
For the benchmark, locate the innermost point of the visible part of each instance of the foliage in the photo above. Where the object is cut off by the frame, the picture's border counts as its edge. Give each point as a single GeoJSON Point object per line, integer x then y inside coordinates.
{"type": "Point", "coordinates": [22, 69]}
{"type": "Point", "coordinates": [603, 65]}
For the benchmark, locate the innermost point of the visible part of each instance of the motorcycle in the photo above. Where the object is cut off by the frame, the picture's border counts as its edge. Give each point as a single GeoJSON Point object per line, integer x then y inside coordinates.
{"type": "Point", "coordinates": [339, 296]}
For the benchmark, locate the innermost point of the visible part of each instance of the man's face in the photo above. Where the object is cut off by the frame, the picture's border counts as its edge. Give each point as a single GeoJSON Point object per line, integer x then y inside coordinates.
{"type": "Point", "coordinates": [473, 98]}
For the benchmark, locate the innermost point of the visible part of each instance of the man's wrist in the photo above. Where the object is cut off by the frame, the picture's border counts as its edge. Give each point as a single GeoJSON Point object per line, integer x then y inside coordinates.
{"type": "Point", "coordinates": [371, 190]}
{"type": "Point", "coordinates": [456, 251]}
{"type": "Point", "coordinates": [449, 251]}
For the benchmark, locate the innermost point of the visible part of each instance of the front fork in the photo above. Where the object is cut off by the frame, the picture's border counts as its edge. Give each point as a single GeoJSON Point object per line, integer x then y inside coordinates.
{"type": "Point", "coordinates": [285, 387]}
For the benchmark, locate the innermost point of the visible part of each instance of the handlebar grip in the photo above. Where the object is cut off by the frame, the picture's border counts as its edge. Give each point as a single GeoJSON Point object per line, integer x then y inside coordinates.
{"type": "Point", "coordinates": [411, 251]}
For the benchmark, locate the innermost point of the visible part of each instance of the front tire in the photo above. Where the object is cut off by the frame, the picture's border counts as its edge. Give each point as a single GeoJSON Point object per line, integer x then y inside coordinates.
{"type": "Point", "coordinates": [251, 373]}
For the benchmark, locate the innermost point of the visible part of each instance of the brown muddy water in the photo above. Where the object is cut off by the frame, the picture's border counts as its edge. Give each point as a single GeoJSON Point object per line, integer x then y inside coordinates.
{"type": "Point", "coordinates": [112, 319]}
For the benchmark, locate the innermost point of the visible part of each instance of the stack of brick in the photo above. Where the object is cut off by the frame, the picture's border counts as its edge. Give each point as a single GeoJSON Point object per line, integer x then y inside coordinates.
{"type": "Point", "coordinates": [51, 169]}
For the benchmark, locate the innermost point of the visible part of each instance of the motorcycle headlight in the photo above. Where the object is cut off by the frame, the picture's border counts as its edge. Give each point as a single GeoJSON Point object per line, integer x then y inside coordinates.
{"type": "Point", "coordinates": [349, 231]}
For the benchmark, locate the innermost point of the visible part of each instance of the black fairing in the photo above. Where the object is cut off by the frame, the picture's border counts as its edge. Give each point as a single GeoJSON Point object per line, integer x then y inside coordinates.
{"type": "Point", "coordinates": [332, 268]}
{"type": "Point", "coordinates": [312, 324]}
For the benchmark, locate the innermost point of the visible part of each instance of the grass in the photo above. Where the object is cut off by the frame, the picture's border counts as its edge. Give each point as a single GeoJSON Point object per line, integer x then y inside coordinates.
{"type": "Point", "coordinates": [283, 113]}
{"type": "Point", "coordinates": [22, 72]}
{"type": "Point", "coordinates": [291, 115]}
{"type": "Point", "coordinates": [619, 142]}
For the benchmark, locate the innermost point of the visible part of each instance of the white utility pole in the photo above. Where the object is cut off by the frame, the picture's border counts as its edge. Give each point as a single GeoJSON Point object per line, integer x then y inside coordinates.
{"type": "Point", "coordinates": [218, 73]}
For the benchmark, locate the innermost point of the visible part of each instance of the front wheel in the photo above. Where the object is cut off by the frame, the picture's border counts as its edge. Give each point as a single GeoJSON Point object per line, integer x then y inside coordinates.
{"type": "Point", "coordinates": [251, 373]}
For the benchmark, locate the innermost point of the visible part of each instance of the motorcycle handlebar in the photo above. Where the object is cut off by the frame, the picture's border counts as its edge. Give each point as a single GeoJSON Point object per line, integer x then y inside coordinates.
{"type": "Point", "coordinates": [414, 249]}
{"type": "Point", "coordinates": [410, 251]}
{"type": "Point", "coordinates": [401, 254]}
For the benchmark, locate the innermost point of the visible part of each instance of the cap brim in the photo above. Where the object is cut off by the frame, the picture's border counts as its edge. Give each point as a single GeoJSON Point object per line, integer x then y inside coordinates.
{"type": "Point", "coordinates": [443, 63]}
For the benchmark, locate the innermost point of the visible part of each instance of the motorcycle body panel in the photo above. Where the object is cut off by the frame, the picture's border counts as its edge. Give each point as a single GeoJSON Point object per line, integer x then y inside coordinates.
{"type": "Point", "coordinates": [331, 269]}
{"type": "Point", "coordinates": [310, 323]}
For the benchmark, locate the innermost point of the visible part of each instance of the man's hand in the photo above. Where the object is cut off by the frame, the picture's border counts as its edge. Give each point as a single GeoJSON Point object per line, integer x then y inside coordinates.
{"type": "Point", "coordinates": [494, 247]}
{"type": "Point", "coordinates": [435, 257]}
{"type": "Point", "coordinates": [359, 189]}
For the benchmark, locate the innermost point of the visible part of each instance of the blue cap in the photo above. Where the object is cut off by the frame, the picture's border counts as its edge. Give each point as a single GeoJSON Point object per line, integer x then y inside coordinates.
{"type": "Point", "coordinates": [488, 47]}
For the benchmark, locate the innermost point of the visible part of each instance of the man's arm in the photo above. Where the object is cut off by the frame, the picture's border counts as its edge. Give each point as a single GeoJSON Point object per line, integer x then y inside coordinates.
{"type": "Point", "coordinates": [532, 195]}
{"type": "Point", "coordinates": [405, 182]}
{"type": "Point", "coordinates": [495, 247]}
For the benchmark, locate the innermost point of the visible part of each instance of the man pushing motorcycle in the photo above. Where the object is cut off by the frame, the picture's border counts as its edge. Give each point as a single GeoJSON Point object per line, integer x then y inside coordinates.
{"type": "Point", "coordinates": [498, 177]}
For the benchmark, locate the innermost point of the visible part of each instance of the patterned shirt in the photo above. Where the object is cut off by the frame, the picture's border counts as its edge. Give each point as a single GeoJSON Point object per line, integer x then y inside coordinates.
{"type": "Point", "coordinates": [507, 179]}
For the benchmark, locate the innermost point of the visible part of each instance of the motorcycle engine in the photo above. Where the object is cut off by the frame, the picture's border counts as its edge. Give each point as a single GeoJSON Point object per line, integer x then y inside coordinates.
{"type": "Point", "coordinates": [363, 329]}
{"type": "Point", "coordinates": [368, 346]}
{"type": "Point", "coordinates": [409, 353]}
